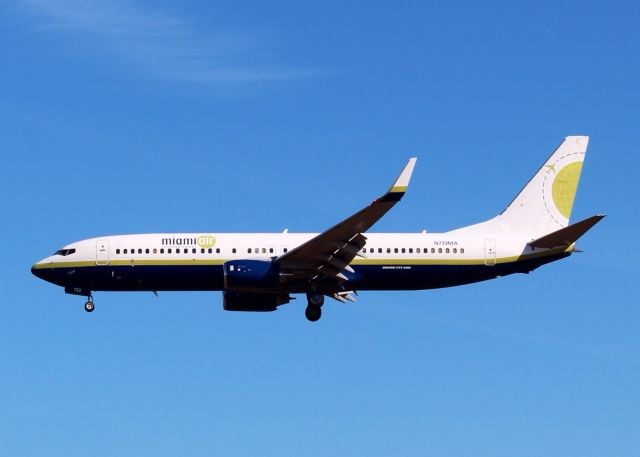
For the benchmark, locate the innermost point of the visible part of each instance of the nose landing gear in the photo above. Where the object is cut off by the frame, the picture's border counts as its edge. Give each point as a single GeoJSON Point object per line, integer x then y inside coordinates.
{"type": "Point", "coordinates": [314, 307]}
{"type": "Point", "coordinates": [89, 306]}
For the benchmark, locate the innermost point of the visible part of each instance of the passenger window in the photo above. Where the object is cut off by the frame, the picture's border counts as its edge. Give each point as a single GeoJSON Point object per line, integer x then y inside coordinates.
{"type": "Point", "coordinates": [433, 250]}
{"type": "Point", "coordinates": [446, 250]}
{"type": "Point", "coordinates": [139, 251]}
{"type": "Point", "coordinates": [285, 249]}
{"type": "Point", "coordinates": [395, 250]}
{"type": "Point", "coordinates": [249, 250]}
{"type": "Point", "coordinates": [388, 250]}
{"type": "Point", "coordinates": [403, 250]}
{"type": "Point", "coordinates": [270, 250]}
{"type": "Point", "coordinates": [155, 251]}
{"type": "Point", "coordinates": [455, 251]}
{"type": "Point", "coordinates": [217, 250]}
{"type": "Point", "coordinates": [410, 250]}
{"type": "Point", "coordinates": [417, 250]}
{"type": "Point", "coordinates": [146, 251]}
{"type": "Point", "coordinates": [125, 251]}
{"type": "Point", "coordinates": [193, 251]}
{"type": "Point", "coordinates": [233, 250]}
{"type": "Point", "coordinates": [461, 250]}
{"type": "Point", "coordinates": [439, 250]}
{"type": "Point", "coordinates": [264, 250]}
{"type": "Point", "coordinates": [117, 251]}
{"type": "Point", "coordinates": [161, 250]}
{"type": "Point", "coordinates": [169, 251]}
{"type": "Point", "coordinates": [379, 250]}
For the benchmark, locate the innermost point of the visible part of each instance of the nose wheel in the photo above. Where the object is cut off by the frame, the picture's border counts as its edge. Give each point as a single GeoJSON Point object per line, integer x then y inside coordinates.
{"type": "Point", "coordinates": [89, 306]}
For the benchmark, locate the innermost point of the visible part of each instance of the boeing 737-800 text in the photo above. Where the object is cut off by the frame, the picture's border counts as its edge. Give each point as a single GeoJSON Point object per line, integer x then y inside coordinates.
{"type": "Point", "coordinates": [260, 271]}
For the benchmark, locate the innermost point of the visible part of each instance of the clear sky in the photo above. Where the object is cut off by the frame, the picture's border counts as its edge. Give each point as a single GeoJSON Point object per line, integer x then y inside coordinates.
{"type": "Point", "coordinates": [132, 116]}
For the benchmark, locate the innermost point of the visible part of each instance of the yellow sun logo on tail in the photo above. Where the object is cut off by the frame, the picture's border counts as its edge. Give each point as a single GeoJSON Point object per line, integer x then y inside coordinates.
{"type": "Point", "coordinates": [565, 184]}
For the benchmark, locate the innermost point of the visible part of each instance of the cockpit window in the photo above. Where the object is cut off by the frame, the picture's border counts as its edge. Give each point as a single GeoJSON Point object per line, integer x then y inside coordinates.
{"type": "Point", "coordinates": [65, 252]}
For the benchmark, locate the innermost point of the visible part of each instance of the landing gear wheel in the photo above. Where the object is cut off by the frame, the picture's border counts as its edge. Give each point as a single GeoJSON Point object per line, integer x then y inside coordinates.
{"type": "Point", "coordinates": [89, 306]}
{"type": "Point", "coordinates": [313, 313]}
{"type": "Point", "coordinates": [315, 299]}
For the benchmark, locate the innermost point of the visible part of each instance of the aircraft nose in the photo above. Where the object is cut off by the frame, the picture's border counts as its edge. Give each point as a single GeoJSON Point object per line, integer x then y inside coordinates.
{"type": "Point", "coordinates": [35, 271]}
{"type": "Point", "coordinates": [38, 270]}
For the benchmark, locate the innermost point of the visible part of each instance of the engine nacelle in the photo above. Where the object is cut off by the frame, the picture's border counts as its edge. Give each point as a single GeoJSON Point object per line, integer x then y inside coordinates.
{"type": "Point", "coordinates": [250, 275]}
{"type": "Point", "coordinates": [249, 301]}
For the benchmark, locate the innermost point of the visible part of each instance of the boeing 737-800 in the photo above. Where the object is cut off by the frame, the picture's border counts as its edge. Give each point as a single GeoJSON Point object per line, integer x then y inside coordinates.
{"type": "Point", "coordinates": [260, 271]}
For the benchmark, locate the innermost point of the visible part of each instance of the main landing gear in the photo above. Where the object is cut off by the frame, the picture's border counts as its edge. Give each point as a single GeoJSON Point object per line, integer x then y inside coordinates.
{"type": "Point", "coordinates": [314, 307]}
{"type": "Point", "coordinates": [89, 306]}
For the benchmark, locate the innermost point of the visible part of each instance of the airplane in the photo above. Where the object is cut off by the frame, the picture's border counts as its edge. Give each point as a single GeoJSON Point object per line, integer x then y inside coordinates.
{"type": "Point", "coordinates": [261, 271]}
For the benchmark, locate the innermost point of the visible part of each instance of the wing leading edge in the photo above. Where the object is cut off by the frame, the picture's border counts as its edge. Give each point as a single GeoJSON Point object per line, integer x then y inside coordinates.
{"type": "Point", "coordinates": [324, 259]}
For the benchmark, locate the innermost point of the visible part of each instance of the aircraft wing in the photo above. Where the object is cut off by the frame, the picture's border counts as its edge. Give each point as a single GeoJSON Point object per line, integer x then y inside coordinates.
{"type": "Point", "coordinates": [327, 255]}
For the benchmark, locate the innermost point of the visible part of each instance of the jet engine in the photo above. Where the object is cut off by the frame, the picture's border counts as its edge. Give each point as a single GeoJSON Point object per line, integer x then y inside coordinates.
{"type": "Point", "coordinates": [250, 275]}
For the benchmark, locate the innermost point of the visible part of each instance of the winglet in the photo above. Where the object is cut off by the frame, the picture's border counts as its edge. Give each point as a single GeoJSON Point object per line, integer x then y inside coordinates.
{"type": "Point", "coordinates": [401, 184]}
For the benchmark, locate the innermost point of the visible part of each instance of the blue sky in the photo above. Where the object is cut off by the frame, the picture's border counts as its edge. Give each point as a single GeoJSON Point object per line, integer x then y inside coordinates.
{"type": "Point", "coordinates": [124, 116]}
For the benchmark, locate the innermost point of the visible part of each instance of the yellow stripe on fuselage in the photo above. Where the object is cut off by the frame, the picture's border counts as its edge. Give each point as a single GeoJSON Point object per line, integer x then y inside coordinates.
{"type": "Point", "coordinates": [357, 261]}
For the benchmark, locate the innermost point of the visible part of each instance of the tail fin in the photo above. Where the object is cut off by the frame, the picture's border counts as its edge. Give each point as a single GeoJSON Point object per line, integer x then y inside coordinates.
{"type": "Point", "coordinates": [545, 203]}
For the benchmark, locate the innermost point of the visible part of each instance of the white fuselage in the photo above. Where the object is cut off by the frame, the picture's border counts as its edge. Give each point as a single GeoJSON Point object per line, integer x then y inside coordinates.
{"type": "Point", "coordinates": [388, 261]}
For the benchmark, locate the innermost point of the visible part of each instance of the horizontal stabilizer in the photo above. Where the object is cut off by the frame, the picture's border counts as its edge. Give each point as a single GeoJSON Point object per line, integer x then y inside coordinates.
{"type": "Point", "coordinates": [568, 235]}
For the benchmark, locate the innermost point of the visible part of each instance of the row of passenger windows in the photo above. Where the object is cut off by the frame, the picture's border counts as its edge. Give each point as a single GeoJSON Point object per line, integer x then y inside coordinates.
{"type": "Point", "coordinates": [272, 250]}
{"type": "Point", "coordinates": [417, 250]}
{"type": "Point", "coordinates": [168, 251]}
{"type": "Point", "coordinates": [192, 250]}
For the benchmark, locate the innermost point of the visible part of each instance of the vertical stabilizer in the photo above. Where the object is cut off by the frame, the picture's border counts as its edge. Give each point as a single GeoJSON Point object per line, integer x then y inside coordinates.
{"type": "Point", "coordinates": [545, 203]}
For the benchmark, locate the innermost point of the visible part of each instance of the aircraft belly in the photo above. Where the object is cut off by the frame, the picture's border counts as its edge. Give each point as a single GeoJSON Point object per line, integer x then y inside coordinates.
{"type": "Point", "coordinates": [412, 277]}
{"type": "Point", "coordinates": [425, 276]}
{"type": "Point", "coordinates": [142, 277]}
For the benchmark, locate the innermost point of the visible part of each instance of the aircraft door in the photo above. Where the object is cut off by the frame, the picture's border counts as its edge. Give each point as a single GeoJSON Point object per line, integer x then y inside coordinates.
{"type": "Point", "coordinates": [490, 252]}
{"type": "Point", "coordinates": [102, 252]}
